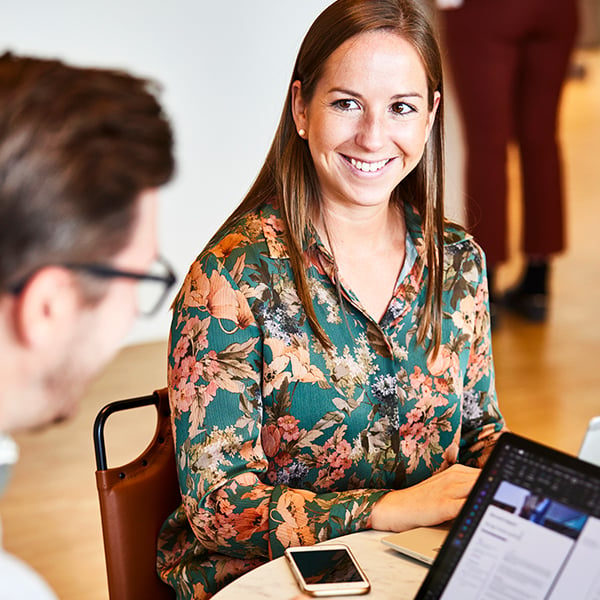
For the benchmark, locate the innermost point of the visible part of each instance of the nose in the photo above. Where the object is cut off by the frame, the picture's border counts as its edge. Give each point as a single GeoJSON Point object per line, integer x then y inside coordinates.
{"type": "Point", "coordinates": [371, 132]}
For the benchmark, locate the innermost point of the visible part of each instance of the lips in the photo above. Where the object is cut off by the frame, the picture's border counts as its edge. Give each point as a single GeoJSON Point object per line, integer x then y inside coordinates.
{"type": "Point", "coordinates": [367, 167]}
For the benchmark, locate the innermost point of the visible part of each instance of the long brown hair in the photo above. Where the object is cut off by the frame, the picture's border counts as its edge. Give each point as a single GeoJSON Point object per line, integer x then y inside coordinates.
{"type": "Point", "coordinates": [288, 173]}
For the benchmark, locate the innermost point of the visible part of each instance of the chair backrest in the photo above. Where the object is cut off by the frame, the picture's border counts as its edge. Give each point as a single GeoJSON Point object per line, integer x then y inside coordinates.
{"type": "Point", "coordinates": [135, 500]}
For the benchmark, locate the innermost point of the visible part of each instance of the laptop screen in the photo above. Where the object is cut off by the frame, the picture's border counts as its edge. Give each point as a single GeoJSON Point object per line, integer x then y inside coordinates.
{"type": "Point", "coordinates": [529, 529]}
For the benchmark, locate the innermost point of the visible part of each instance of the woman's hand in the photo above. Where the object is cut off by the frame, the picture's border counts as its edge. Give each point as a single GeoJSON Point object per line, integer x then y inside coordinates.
{"type": "Point", "coordinates": [437, 499]}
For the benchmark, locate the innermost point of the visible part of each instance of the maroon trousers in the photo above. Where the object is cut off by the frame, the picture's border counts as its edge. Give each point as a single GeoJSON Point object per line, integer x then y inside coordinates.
{"type": "Point", "coordinates": [509, 59]}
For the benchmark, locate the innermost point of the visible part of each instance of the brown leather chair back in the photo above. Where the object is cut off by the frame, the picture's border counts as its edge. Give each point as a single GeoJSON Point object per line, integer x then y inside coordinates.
{"type": "Point", "coordinates": [135, 500]}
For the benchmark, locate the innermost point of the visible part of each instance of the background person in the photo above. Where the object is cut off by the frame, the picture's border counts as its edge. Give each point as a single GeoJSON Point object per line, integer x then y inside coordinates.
{"type": "Point", "coordinates": [509, 60]}
{"type": "Point", "coordinates": [330, 357]}
{"type": "Point", "coordinates": [82, 153]}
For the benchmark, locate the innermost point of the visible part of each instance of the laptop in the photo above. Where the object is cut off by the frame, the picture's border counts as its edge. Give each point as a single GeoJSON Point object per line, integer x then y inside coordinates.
{"type": "Point", "coordinates": [424, 543]}
{"type": "Point", "coordinates": [530, 528]}
{"type": "Point", "coordinates": [420, 543]}
{"type": "Point", "coordinates": [590, 447]}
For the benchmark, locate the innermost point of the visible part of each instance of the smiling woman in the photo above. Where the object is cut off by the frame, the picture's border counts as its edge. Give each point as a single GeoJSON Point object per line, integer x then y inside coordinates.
{"type": "Point", "coordinates": [365, 135]}
{"type": "Point", "coordinates": [330, 366]}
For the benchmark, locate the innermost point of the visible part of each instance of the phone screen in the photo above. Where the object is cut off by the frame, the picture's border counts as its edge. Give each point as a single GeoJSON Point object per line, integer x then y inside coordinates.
{"type": "Point", "coordinates": [326, 566]}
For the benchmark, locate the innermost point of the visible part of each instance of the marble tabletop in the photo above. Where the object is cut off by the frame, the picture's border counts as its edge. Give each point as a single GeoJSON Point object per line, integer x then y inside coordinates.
{"type": "Point", "coordinates": [391, 574]}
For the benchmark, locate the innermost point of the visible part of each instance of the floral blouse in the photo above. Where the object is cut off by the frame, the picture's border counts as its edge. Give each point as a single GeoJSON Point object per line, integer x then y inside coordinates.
{"type": "Point", "coordinates": [281, 442]}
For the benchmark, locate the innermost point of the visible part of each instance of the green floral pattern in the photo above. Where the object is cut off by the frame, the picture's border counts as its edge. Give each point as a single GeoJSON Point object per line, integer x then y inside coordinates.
{"type": "Point", "coordinates": [281, 442]}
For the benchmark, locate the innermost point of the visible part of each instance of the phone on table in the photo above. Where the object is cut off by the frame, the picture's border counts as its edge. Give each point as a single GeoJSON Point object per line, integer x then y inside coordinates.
{"type": "Point", "coordinates": [327, 570]}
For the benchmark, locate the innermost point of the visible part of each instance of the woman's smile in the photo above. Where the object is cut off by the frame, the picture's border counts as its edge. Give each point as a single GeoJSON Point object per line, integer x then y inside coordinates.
{"type": "Point", "coordinates": [365, 166]}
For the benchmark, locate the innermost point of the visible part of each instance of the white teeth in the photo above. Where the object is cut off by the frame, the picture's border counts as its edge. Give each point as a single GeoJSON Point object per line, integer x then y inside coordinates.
{"type": "Point", "coordinates": [367, 167]}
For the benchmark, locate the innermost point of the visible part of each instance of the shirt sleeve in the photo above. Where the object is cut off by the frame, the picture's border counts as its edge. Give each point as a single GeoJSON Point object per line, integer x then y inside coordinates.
{"type": "Point", "coordinates": [215, 382]}
{"type": "Point", "coordinates": [482, 422]}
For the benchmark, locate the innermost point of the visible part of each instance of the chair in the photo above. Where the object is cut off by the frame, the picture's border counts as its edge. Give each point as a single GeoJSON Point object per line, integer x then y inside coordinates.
{"type": "Point", "coordinates": [135, 499]}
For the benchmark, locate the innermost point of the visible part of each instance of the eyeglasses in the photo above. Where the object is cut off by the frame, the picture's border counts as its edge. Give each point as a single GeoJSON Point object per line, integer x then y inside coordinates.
{"type": "Point", "coordinates": [153, 286]}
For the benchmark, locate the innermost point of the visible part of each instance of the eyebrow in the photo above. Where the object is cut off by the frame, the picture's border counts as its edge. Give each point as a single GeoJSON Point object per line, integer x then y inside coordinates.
{"type": "Point", "coordinates": [358, 95]}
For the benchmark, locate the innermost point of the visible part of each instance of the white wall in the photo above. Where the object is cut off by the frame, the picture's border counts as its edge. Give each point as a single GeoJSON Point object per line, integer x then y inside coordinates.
{"type": "Point", "coordinates": [224, 67]}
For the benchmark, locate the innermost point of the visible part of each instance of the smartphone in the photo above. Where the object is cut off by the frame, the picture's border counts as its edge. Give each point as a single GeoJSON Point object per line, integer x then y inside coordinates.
{"type": "Point", "coordinates": [327, 570]}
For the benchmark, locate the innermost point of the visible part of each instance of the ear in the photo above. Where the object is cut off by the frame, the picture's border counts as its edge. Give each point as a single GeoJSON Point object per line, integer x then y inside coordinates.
{"type": "Point", "coordinates": [47, 307]}
{"type": "Point", "coordinates": [299, 108]}
{"type": "Point", "coordinates": [433, 112]}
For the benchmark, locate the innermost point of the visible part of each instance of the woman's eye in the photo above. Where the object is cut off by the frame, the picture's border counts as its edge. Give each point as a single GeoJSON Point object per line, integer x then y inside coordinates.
{"type": "Point", "coordinates": [345, 104]}
{"type": "Point", "coordinates": [401, 108]}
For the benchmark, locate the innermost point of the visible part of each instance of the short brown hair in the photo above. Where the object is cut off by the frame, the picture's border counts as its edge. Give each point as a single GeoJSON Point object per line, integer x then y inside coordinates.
{"type": "Point", "coordinates": [77, 147]}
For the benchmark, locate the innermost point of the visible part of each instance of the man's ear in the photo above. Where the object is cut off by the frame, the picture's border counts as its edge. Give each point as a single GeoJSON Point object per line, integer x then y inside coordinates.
{"type": "Point", "coordinates": [299, 109]}
{"type": "Point", "coordinates": [46, 307]}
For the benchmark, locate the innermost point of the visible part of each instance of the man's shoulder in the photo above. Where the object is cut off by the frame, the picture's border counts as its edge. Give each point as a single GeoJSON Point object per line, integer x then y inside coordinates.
{"type": "Point", "coordinates": [20, 581]}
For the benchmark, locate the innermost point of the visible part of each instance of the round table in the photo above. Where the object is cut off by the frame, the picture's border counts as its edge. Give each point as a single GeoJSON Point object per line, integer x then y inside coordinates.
{"type": "Point", "coordinates": [391, 574]}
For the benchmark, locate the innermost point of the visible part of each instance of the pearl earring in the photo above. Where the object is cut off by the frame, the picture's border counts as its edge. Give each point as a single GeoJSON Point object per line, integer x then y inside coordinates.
{"type": "Point", "coordinates": [301, 132]}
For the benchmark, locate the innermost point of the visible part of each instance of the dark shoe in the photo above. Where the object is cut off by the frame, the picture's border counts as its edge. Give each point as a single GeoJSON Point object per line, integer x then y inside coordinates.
{"type": "Point", "coordinates": [530, 297]}
{"type": "Point", "coordinates": [531, 306]}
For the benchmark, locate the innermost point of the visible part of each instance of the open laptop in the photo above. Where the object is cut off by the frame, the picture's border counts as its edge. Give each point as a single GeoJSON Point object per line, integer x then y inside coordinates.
{"type": "Point", "coordinates": [590, 447]}
{"type": "Point", "coordinates": [420, 543]}
{"type": "Point", "coordinates": [424, 543]}
{"type": "Point", "coordinates": [529, 529]}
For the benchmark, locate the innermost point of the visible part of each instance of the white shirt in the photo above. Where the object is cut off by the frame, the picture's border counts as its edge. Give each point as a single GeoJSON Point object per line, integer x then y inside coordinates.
{"type": "Point", "coordinates": [18, 581]}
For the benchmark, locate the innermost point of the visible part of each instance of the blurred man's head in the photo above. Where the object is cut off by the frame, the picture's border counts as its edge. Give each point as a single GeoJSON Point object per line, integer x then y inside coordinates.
{"type": "Point", "coordinates": [82, 153]}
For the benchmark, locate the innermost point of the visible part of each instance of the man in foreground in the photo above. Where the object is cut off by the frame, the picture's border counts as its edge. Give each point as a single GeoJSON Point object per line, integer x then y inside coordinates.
{"type": "Point", "coordinates": [82, 154]}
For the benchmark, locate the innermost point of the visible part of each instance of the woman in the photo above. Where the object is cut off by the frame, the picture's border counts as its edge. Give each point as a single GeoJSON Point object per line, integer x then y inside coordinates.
{"type": "Point", "coordinates": [330, 352]}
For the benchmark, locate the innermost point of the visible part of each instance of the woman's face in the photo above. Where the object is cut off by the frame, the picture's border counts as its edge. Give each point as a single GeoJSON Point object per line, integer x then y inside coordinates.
{"type": "Point", "coordinates": [368, 120]}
